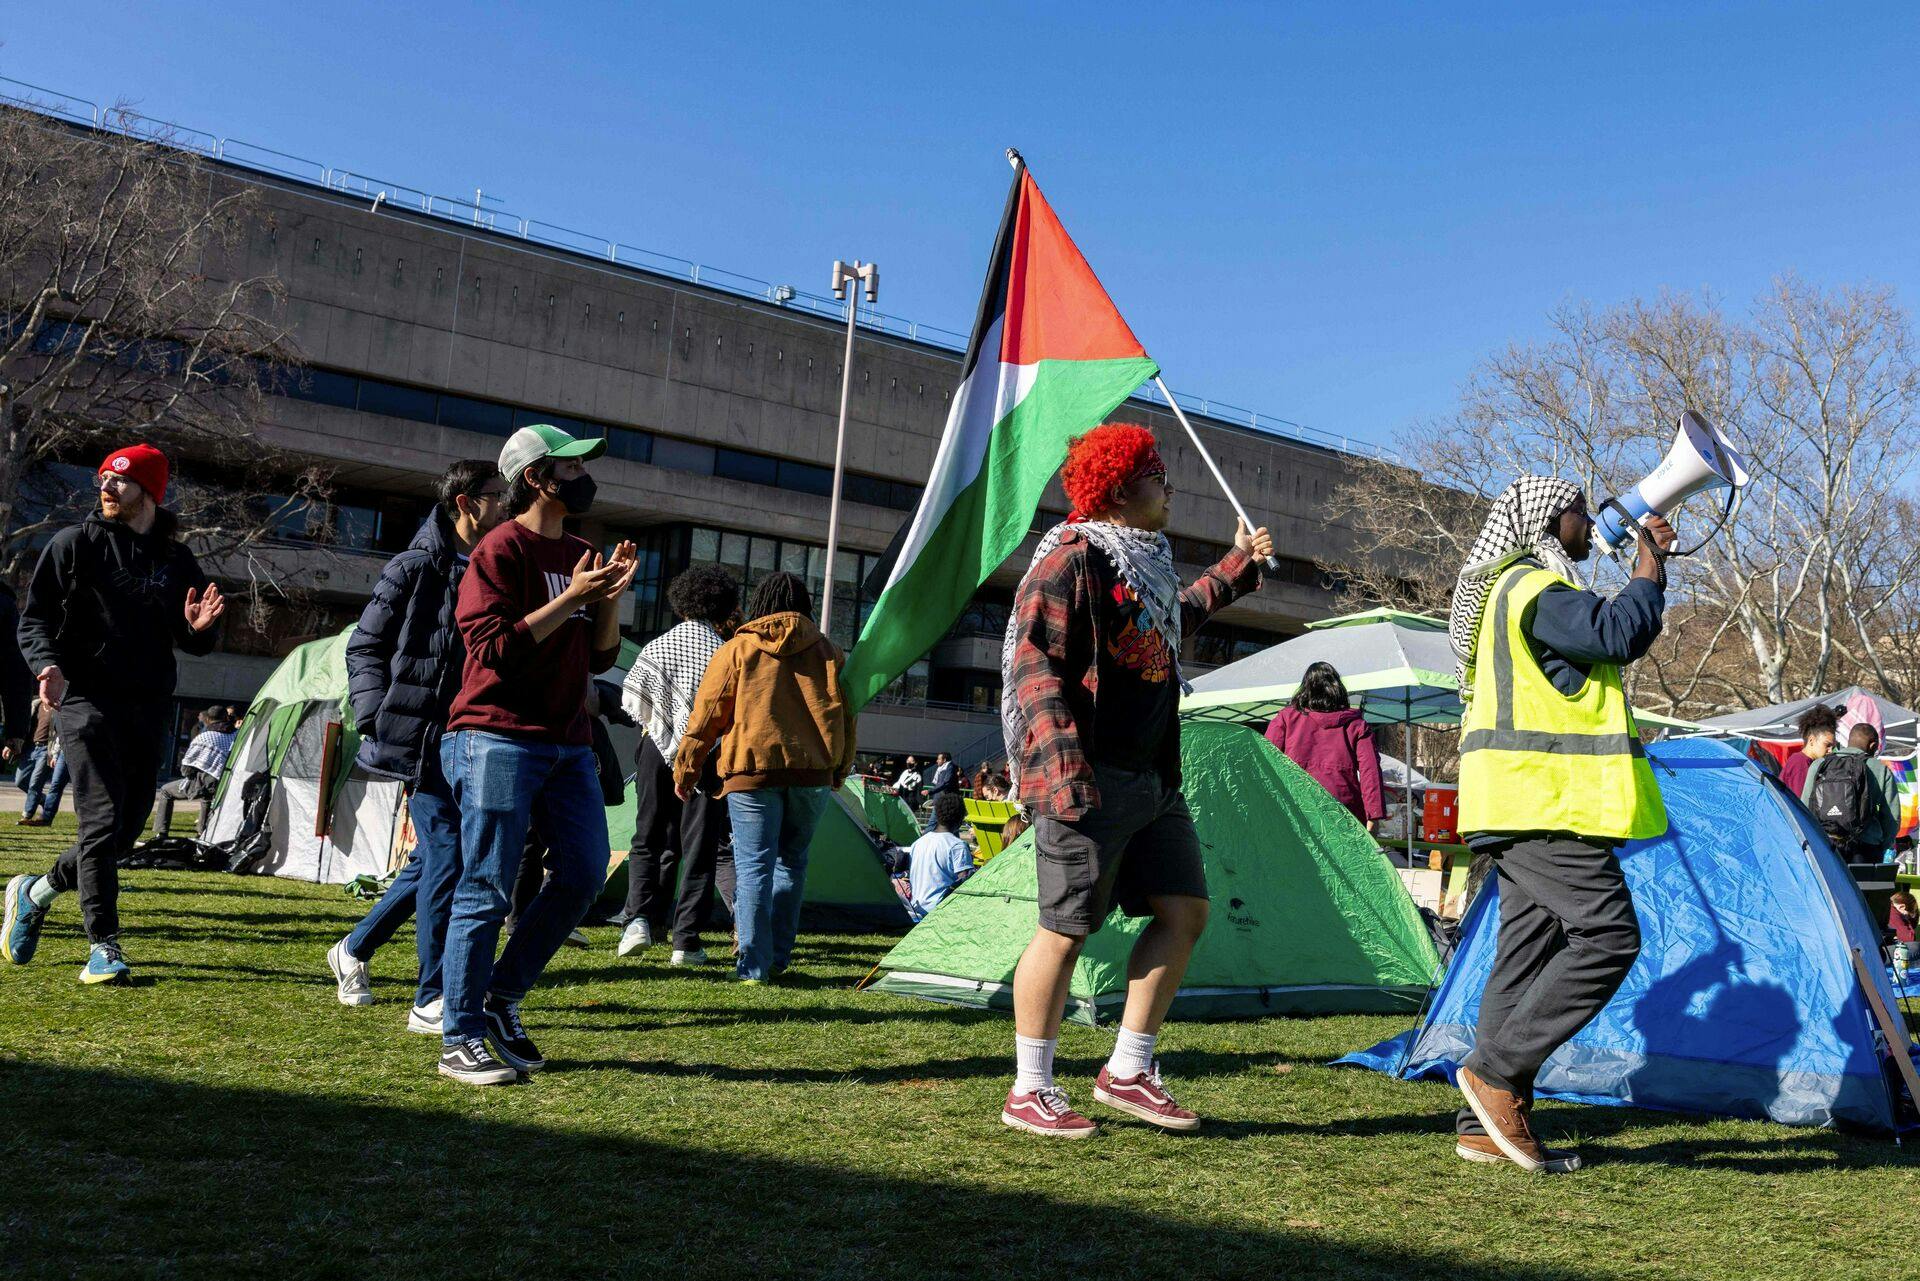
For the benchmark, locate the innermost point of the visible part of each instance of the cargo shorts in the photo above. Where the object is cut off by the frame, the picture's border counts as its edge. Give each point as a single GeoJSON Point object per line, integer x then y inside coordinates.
{"type": "Point", "coordinates": [1137, 844]}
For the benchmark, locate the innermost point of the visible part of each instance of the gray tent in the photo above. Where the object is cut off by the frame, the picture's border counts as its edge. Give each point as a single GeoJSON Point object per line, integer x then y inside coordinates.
{"type": "Point", "coordinates": [1777, 722]}
{"type": "Point", "coordinates": [1398, 666]}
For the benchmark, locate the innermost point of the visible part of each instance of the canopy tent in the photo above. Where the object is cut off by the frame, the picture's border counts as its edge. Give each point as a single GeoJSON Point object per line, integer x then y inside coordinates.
{"type": "Point", "coordinates": [291, 791]}
{"type": "Point", "coordinates": [1777, 722]}
{"type": "Point", "coordinates": [1398, 666]}
{"type": "Point", "coordinates": [1307, 917]}
{"type": "Point", "coordinates": [1744, 1000]}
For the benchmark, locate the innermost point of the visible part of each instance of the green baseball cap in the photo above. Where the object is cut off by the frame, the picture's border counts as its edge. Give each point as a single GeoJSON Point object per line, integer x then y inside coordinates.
{"type": "Point", "coordinates": [539, 440]}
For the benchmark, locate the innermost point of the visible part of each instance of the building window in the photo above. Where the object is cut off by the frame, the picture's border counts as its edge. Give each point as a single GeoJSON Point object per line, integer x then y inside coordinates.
{"type": "Point", "coordinates": [683, 455]}
{"type": "Point", "coordinates": [483, 416]}
{"type": "Point", "coordinates": [396, 401]}
{"type": "Point", "coordinates": [755, 469]}
{"type": "Point", "coordinates": [634, 446]}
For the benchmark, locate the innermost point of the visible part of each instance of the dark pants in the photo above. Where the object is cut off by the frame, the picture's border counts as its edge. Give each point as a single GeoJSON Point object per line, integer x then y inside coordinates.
{"type": "Point", "coordinates": [113, 751]}
{"type": "Point", "coordinates": [423, 891]}
{"type": "Point", "coordinates": [194, 785]}
{"type": "Point", "coordinates": [673, 843]}
{"type": "Point", "coordinates": [1568, 936]}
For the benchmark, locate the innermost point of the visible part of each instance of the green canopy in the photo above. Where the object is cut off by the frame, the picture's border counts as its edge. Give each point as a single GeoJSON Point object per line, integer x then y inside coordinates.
{"type": "Point", "coordinates": [1308, 917]}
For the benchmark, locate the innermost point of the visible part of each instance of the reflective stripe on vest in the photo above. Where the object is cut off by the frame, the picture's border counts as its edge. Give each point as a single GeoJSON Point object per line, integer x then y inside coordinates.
{"type": "Point", "coordinates": [1534, 759]}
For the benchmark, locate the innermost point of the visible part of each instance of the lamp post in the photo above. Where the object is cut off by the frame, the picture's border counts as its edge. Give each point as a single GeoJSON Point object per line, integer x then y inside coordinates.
{"type": "Point", "coordinates": [867, 275]}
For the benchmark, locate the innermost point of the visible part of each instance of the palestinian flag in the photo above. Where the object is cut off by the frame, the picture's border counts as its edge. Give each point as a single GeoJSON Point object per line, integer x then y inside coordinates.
{"type": "Point", "coordinates": [1050, 358]}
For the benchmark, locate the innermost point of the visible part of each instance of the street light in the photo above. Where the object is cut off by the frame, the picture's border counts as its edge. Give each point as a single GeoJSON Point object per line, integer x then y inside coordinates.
{"type": "Point", "coordinates": [867, 275]}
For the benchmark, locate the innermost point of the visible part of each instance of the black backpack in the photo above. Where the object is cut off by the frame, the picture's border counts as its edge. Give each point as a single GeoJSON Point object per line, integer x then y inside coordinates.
{"type": "Point", "coordinates": [1843, 798]}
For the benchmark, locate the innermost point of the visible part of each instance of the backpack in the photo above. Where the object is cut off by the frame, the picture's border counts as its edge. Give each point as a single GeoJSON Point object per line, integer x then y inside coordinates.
{"type": "Point", "coordinates": [1843, 798]}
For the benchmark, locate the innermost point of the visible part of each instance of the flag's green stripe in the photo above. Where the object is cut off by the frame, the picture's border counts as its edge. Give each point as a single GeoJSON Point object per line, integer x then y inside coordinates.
{"type": "Point", "coordinates": [989, 518]}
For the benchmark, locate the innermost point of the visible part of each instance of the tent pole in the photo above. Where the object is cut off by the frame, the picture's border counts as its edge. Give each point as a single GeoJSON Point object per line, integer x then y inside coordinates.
{"type": "Point", "coordinates": [1406, 745]}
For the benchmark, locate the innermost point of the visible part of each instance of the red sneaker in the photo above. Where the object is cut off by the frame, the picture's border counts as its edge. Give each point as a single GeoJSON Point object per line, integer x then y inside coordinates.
{"type": "Point", "coordinates": [1146, 1097]}
{"type": "Point", "coordinates": [1046, 1112]}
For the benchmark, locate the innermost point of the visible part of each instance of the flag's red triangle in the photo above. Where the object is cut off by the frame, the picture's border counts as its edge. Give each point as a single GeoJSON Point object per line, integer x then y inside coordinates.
{"type": "Point", "coordinates": [1056, 309]}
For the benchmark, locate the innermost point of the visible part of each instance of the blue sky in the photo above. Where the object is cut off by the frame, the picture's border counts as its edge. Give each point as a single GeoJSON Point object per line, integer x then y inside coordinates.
{"type": "Point", "coordinates": [1325, 212]}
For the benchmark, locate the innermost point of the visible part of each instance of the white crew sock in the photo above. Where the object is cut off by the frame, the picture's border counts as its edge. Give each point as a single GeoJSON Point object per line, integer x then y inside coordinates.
{"type": "Point", "coordinates": [1132, 1053]}
{"type": "Point", "coordinates": [41, 891]}
{"type": "Point", "coordinates": [1033, 1063]}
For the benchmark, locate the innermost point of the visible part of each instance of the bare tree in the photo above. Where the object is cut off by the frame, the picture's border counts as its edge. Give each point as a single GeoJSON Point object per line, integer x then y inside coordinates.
{"type": "Point", "coordinates": [1800, 588]}
{"type": "Point", "coordinates": [122, 318]}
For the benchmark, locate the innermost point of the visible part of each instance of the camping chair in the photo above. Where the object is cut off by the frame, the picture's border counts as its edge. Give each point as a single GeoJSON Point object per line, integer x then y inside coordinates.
{"type": "Point", "coordinates": [988, 820]}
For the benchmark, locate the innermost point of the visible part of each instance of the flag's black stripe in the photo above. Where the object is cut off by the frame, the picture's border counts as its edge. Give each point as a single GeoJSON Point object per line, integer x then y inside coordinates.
{"type": "Point", "coordinates": [993, 296]}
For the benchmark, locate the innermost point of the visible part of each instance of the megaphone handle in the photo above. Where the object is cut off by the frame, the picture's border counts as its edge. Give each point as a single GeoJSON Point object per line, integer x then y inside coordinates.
{"type": "Point", "coordinates": [1639, 532]}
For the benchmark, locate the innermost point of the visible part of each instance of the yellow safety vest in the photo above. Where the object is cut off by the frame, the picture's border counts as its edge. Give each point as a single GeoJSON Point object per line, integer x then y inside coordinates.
{"type": "Point", "coordinates": [1535, 760]}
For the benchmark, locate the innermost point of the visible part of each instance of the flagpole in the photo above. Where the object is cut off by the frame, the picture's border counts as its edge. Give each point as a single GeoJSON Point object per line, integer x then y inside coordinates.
{"type": "Point", "coordinates": [1207, 458]}
{"type": "Point", "coordinates": [843, 275]}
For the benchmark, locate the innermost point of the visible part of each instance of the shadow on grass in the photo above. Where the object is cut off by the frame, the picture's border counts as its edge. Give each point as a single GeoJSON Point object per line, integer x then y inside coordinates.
{"type": "Point", "coordinates": [142, 1176]}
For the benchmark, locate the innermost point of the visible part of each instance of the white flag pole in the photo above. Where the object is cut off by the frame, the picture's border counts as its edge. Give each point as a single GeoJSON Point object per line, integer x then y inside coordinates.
{"type": "Point", "coordinates": [1207, 458]}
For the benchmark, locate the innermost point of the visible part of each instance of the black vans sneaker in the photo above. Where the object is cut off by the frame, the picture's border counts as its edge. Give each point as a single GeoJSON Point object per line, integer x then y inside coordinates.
{"type": "Point", "coordinates": [510, 1037]}
{"type": "Point", "coordinates": [472, 1063]}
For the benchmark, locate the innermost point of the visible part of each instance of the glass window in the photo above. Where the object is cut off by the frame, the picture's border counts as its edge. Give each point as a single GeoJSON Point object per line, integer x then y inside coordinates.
{"type": "Point", "coordinates": [682, 455]}
{"type": "Point", "coordinates": [578, 428]}
{"type": "Point", "coordinates": [356, 527]}
{"type": "Point", "coordinates": [733, 551]}
{"type": "Point", "coordinates": [903, 497]}
{"type": "Point", "coordinates": [756, 469]}
{"type": "Point", "coordinates": [634, 446]}
{"type": "Point", "coordinates": [806, 478]}
{"type": "Point", "coordinates": [865, 489]}
{"type": "Point", "coordinates": [793, 558]}
{"type": "Point", "coordinates": [762, 559]}
{"type": "Point", "coordinates": [476, 415]}
{"type": "Point", "coordinates": [322, 386]}
{"type": "Point", "coordinates": [396, 401]}
{"type": "Point", "coordinates": [703, 547]}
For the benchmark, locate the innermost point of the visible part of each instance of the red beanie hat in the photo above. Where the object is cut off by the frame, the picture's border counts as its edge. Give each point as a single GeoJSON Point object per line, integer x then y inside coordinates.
{"type": "Point", "coordinates": [1109, 457]}
{"type": "Point", "coordinates": [140, 463]}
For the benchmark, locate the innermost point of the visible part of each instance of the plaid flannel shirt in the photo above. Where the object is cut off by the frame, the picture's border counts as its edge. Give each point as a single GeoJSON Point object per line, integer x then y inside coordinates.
{"type": "Point", "coordinates": [1056, 675]}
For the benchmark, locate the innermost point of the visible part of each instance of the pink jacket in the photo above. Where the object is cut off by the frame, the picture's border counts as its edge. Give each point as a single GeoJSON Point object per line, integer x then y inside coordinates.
{"type": "Point", "coordinates": [1337, 748]}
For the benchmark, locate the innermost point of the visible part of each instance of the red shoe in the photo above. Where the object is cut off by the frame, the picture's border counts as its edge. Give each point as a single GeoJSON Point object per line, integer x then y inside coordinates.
{"type": "Point", "coordinates": [1045, 1111]}
{"type": "Point", "coordinates": [1146, 1097]}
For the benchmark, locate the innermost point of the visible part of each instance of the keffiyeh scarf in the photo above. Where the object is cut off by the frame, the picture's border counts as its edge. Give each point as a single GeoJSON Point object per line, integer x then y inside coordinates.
{"type": "Point", "coordinates": [1144, 561]}
{"type": "Point", "coordinates": [659, 688]}
{"type": "Point", "coordinates": [1520, 523]}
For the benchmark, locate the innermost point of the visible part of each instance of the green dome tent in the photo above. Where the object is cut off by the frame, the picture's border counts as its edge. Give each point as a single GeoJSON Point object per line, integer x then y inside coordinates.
{"type": "Point", "coordinates": [1308, 916]}
{"type": "Point", "coordinates": [298, 739]}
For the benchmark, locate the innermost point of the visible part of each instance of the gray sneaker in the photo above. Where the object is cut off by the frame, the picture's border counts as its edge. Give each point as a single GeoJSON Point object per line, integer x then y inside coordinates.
{"type": "Point", "coordinates": [472, 1063]}
{"type": "Point", "coordinates": [351, 982]}
{"type": "Point", "coordinates": [637, 937]}
{"type": "Point", "coordinates": [694, 958]}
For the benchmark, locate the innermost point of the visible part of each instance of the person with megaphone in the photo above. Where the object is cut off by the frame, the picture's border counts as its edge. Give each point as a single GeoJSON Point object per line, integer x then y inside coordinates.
{"type": "Point", "coordinates": [1552, 780]}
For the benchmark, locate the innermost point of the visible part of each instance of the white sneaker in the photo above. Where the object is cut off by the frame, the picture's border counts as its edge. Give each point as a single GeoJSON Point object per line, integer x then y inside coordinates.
{"type": "Point", "coordinates": [425, 1019]}
{"type": "Point", "coordinates": [637, 937]}
{"type": "Point", "coordinates": [351, 983]}
{"type": "Point", "coordinates": [696, 957]}
{"type": "Point", "coordinates": [578, 938]}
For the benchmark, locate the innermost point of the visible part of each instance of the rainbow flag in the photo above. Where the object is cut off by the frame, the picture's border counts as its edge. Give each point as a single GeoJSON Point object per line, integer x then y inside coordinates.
{"type": "Point", "coordinates": [1907, 780]}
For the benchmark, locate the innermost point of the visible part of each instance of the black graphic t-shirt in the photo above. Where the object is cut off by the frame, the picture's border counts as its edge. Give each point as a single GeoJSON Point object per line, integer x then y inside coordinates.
{"type": "Point", "coordinates": [1139, 697]}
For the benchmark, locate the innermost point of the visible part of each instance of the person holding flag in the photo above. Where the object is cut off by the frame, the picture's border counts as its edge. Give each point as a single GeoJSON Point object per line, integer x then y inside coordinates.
{"type": "Point", "coordinates": [1091, 698]}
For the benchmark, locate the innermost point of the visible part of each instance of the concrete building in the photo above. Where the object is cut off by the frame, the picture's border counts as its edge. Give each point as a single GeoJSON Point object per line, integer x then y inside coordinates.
{"type": "Point", "coordinates": [431, 337]}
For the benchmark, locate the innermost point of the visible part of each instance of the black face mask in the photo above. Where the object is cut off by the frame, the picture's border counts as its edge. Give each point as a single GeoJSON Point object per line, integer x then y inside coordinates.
{"type": "Point", "coordinates": [577, 494]}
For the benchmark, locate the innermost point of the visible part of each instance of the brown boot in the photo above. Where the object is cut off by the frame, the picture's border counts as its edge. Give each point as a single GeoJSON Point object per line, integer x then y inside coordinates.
{"type": "Point", "coordinates": [1504, 1115]}
{"type": "Point", "coordinates": [1480, 1149]}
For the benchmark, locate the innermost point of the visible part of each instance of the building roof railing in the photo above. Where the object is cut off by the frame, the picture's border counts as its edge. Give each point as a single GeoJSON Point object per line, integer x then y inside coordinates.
{"type": "Point", "coordinates": [476, 212]}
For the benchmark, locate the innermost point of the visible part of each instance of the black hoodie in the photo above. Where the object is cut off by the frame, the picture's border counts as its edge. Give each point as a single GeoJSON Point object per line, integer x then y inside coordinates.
{"type": "Point", "coordinates": [109, 605]}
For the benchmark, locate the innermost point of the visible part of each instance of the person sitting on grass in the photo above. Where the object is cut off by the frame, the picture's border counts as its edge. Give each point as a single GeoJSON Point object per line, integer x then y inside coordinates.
{"type": "Point", "coordinates": [772, 701]}
{"type": "Point", "coordinates": [940, 860]}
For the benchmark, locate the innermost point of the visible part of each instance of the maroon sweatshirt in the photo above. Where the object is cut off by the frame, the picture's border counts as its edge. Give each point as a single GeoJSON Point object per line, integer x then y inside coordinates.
{"type": "Point", "coordinates": [1337, 748]}
{"type": "Point", "coordinates": [513, 684]}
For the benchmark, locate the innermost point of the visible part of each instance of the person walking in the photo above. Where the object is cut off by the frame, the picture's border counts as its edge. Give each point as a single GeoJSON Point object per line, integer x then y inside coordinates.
{"type": "Point", "coordinates": [1090, 705]}
{"type": "Point", "coordinates": [1852, 795]}
{"type": "Point", "coordinates": [676, 845]}
{"type": "Point", "coordinates": [1819, 728]}
{"type": "Point", "coordinates": [771, 701]}
{"type": "Point", "coordinates": [199, 772]}
{"type": "Point", "coordinates": [1552, 780]}
{"type": "Point", "coordinates": [16, 682]}
{"type": "Point", "coordinates": [42, 775]}
{"type": "Point", "coordinates": [1324, 734]}
{"type": "Point", "coordinates": [907, 785]}
{"type": "Point", "coordinates": [109, 601]}
{"type": "Point", "coordinates": [404, 664]}
{"type": "Point", "coordinates": [538, 610]}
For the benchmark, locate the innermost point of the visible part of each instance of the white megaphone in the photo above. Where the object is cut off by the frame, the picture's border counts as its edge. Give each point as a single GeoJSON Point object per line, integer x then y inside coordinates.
{"type": "Point", "coordinates": [1701, 459]}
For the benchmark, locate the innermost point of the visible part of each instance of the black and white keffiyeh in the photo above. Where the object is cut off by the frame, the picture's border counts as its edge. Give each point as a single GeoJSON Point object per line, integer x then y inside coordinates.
{"type": "Point", "coordinates": [1520, 523]}
{"type": "Point", "coordinates": [659, 688]}
{"type": "Point", "coordinates": [1144, 561]}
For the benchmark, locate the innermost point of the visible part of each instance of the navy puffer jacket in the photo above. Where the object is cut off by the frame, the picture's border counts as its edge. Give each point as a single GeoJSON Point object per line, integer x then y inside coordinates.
{"type": "Point", "coordinates": [405, 656]}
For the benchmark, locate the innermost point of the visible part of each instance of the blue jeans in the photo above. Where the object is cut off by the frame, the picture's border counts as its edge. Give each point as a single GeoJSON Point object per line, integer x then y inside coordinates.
{"type": "Point", "coordinates": [424, 887]}
{"type": "Point", "coordinates": [27, 764]}
{"type": "Point", "coordinates": [502, 786]}
{"type": "Point", "coordinates": [45, 786]}
{"type": "Point", "coordinates": [772, 829]}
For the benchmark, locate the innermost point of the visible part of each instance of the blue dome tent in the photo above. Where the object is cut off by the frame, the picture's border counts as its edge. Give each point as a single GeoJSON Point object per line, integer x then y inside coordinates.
{"type": "Point", "coordinates": [1744, 1001]}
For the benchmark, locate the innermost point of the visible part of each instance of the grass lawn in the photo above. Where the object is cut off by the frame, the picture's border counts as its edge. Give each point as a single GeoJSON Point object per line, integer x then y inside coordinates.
{"type": "Point", "coordinates": [226, 1117]}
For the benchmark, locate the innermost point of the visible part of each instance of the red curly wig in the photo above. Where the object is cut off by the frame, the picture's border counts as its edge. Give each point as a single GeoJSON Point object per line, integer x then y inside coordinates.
{"type": "Point", "coordinates": [1110, 457]}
